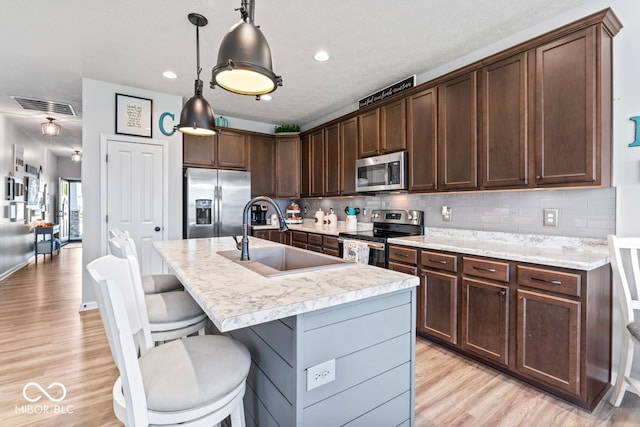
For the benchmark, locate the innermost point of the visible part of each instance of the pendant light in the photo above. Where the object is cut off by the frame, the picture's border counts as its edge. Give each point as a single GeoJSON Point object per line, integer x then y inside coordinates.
{"type": "Point", "coordinates": [197, 117]}
{"type": "Point", "coordinates": [244, 58]}
{"type": "Point", "coordinates": [76, 157]}
{"type": "Point", "coordinates": [50, 128]}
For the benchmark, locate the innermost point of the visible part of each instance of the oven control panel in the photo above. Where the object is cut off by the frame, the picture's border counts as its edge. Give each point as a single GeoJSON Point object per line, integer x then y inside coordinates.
{"type": "Point", "coordinates": [397, 216]}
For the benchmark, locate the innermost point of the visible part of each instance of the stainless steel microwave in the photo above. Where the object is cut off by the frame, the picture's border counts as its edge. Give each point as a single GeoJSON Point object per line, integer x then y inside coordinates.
{"type": "Point", "coordinates": [382, 173]}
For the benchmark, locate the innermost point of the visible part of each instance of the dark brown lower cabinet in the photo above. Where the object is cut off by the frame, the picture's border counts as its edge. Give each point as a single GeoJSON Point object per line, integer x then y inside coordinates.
{"type": "Point", "coordinates": [485, 320]}
{"type": "Point", "coordinates": [548, 340]}
{"type": "Point", "coordinates": [438, 305]}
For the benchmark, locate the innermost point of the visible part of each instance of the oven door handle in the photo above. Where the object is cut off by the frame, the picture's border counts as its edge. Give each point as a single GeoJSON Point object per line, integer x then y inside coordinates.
{"type": "Point", "coordinates": [372, 245]}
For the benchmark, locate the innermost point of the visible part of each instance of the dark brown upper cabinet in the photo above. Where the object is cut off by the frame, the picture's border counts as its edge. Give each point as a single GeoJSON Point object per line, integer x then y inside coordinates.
{"type": "Point", "coordinates": [503, 122]}
{"type": "Point", "coordinates": [227, 150]}
{"type": "Point", "coordinates": [287, 170]}
{"type": "Point", "coordinates": [393, 127]}
{"type": "Point", "coordinates": [262, 164]}
{"type": "Point", "coordinates": [369, 137]}
{"type": "Point", "coordinates": [567, 144]}
{"type": "Point", "coordinates": [305, 166]}
{"type": "Point", "coordinates": [332, 160]}
{"type": "Point", "coordinates": [348, 155]}
{"type": "Point", "coordinates": [422, 125]}
{"type": "Point", "coordinates": [317, 163]}
{"type": "Point", "coordinates": [458, 133]}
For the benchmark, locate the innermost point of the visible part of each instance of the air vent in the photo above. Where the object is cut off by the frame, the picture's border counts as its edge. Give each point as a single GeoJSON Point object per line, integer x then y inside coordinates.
{"type": "Point", "coordinates": [46, 106]}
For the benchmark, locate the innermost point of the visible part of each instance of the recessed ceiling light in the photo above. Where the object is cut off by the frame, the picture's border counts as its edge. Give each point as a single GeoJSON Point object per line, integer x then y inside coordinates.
{"type": "Point", "coordinates": [170, 75]}
{"type": "Point", "coordinates": [265, 97]}
{"type": "Point", "coordinates": [321, 56]}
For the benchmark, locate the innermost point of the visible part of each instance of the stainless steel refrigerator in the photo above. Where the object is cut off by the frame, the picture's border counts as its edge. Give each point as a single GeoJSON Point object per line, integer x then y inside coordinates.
{"type": "Point", "coordinates": [213, 202]}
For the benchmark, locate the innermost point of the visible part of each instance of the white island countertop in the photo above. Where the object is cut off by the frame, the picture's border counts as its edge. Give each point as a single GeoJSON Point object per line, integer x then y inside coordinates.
{"type": "Point", "coordinates": [554, 251]}
{"type": "Point", "coordinates": [235, 297]}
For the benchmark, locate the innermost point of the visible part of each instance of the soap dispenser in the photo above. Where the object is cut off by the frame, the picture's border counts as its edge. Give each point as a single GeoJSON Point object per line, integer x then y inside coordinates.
{"type": "Point", "coordinates": [333, 219]}
{"type": "Point", "coordinates": [319, 217]}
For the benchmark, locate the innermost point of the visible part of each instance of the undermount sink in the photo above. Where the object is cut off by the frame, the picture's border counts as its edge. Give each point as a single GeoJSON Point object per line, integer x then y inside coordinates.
{"type": "Point", "coordinates": [282, 260]}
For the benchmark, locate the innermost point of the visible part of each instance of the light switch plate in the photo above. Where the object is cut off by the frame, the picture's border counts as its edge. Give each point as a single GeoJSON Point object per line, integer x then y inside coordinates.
{"type": "Point", "coordinates": [550, 217]}
{"type": "Point", "coordinates": [321, 374]}
{"type": "Point", "coordinates": [446, 213]}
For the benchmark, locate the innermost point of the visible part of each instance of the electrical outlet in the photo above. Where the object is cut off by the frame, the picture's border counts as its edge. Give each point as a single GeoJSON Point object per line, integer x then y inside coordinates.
{"type": "Point", "coordinates": [447, 211]}
{"type": "Point", "coordinates": [321, 374]}
{"type": "Point", "coordinates": [550, 217]}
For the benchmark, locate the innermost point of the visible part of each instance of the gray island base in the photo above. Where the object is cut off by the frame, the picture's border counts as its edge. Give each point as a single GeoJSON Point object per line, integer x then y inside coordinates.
{"type": "Point", "coordinates": [339, 354]}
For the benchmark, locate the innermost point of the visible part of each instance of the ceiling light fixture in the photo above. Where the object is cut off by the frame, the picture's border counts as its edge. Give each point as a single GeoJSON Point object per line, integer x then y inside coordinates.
{"type": "Point", "coordinates": [75, 157]}
{"type": "Point", "coordinates": [244, 58]}
{"type": "Point", "coordinates": [50, 128]}
{"type": "Point", "coordinates": [169, 75]}
{"type": "Point", "coordinates": [321, 56]}
{"type": "Point", "coordinates": [197, 117]}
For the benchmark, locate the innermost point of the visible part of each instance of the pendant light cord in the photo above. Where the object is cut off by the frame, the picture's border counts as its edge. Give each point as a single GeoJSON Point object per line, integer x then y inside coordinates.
{"type": "Point", "coordinates": [199, 83]}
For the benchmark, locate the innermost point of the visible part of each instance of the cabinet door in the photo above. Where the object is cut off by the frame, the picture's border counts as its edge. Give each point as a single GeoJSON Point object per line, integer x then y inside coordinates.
{"type": "Point", "coordinates": [458, 134]}
{"type": "Point", "coordinates": [261, 234]}
{"type": "Point", "coordinates": [393, 122]}
{"type": "Point", "coordinates": [276, 236]}
{"type": "Point", "coordinates": [348, 155]}
{"type": "Point", "coordinates": [232, 150]}
{"type": "Point", "coordinates": [305, 166]}
{"type": "Point", "coordinates": [198, 150]}
{"type": "Point", "coordinates": [332, 161]}
{"type": "Point", "coordinates": [287, 166]}
{"type": "Point", "coordinates": [548, 340]}
{"type": "Point", "coordinates": [566, 146]}
{"type": "Point", "coordinates": [504, 121]}
{"type": "Point", "coordinates": [317, 163]}
{"type": "Point", "coordinates": [422, 122]}
{"type": "Point", "coordinates": [369, 137]}
{"type": "Point", "coordinates": [485, 320]}
{"type": "Point", "coordinates": [262, 165]}
{"type": "Point", "coordinates": [438, 305]}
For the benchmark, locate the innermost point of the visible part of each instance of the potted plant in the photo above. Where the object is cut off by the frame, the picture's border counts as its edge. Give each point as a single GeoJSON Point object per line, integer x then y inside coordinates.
{"type": "Point", "coordinates": [288, 128]}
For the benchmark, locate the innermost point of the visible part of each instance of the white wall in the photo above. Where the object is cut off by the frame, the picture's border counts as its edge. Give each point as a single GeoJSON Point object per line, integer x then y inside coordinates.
{"type": "Point", "coordinates": [16, 248]}
{"type": "Point", "coordinates": [98, 105]}
{"type": "Point", "coordinates": [69, 169]}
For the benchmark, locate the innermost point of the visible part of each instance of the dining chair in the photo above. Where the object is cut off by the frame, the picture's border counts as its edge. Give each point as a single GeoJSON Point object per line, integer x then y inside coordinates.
{"type": "Point", "coordinates": [172, 315]}
{"type": "Point", "coordinates": [195, 381]}
{"type": "Point", "coordinates": [151, 283]}
{"type": "Point", "coordinates": [626, 276]}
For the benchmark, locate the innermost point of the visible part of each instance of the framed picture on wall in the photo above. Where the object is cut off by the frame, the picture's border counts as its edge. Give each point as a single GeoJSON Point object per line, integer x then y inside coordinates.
{"type": "Point", "coordinates": [133, 115]}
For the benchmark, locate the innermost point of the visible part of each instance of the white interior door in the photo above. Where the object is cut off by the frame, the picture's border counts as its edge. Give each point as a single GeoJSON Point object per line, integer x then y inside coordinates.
{"type": "Point", "coordinates": [135, 196]}
{"type": "Point", "coordinates": [63, 209]}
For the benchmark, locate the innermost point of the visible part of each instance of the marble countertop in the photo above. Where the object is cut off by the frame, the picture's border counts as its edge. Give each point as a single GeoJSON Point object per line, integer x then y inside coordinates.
{"type": "Point", "coordinates": [554, 251]}
{"type": "Point", "coordinates": [235, 297]}
{"type": "Point", "coordinates": [310, 227]}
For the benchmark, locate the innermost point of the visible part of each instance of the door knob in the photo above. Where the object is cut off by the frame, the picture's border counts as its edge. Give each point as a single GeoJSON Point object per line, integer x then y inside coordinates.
{"type": "Point", "coordinates": [157, 229]}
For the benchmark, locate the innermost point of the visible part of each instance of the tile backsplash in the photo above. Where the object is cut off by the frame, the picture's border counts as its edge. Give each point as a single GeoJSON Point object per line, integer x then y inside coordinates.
{"type": "Point", "coordinates": [581, 212]}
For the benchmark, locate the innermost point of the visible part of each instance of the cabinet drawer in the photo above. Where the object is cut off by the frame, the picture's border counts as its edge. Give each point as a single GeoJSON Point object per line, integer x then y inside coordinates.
{"type": "Point", "coordinates": [330, 242]}
{"type": "Point", "coordinates": [403, 268]}
{"type": "Point", "coordinates": [299, 236]}
{"type": "Point", "coordinates": [404, 255]}
{"type": "Point", "coordinates": [314, 239]}
{"type": "Point", "coordinates": [484, 268]}
{"type": "Point", "coordinates": [549, 280]}
{"type": "Point", "coordinates": [439, 261]}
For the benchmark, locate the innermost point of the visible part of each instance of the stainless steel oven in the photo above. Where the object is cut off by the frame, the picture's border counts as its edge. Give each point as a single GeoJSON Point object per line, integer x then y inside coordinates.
{"type": "Point", "coordinates": [386, 224]}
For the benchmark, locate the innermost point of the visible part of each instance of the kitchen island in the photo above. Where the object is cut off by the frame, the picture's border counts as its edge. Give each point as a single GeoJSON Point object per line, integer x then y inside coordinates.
{"type": "Point", "coordinates": [355, 322]}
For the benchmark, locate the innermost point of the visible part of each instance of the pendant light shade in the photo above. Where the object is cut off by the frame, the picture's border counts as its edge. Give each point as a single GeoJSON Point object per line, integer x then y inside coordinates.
{"type": "Point", "coordinates": [244, 59]}
{"type": "Point", "coordinates": [50, 128]}
{"type": "Point", "coordinates": [197, 116]}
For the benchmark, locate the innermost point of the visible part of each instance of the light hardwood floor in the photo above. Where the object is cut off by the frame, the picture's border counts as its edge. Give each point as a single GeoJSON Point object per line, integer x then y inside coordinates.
{"type": "Point", "coordinates": [44, 339]}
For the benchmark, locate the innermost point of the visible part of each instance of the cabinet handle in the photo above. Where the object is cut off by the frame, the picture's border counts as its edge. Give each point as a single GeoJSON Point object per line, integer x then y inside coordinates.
{"type": "Point", "coordinates": [402, 255]}
{"type": "Point", "coordinates": [490, 270]}
{"type": "Point", "coordinates": [553, 282]}
{"type": "Point", "coordinates": [438, 261]}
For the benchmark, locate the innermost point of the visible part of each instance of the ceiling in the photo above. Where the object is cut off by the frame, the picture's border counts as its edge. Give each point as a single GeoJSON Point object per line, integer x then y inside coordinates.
{"type": "Point", "coordinates": [48, 47]}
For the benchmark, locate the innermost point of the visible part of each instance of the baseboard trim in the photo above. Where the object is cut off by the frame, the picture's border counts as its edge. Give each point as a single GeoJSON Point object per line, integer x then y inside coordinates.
{"type": "Point", "coordinates": [86, 306]}
{"type": "Point", "coordinates": [15, 268]}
